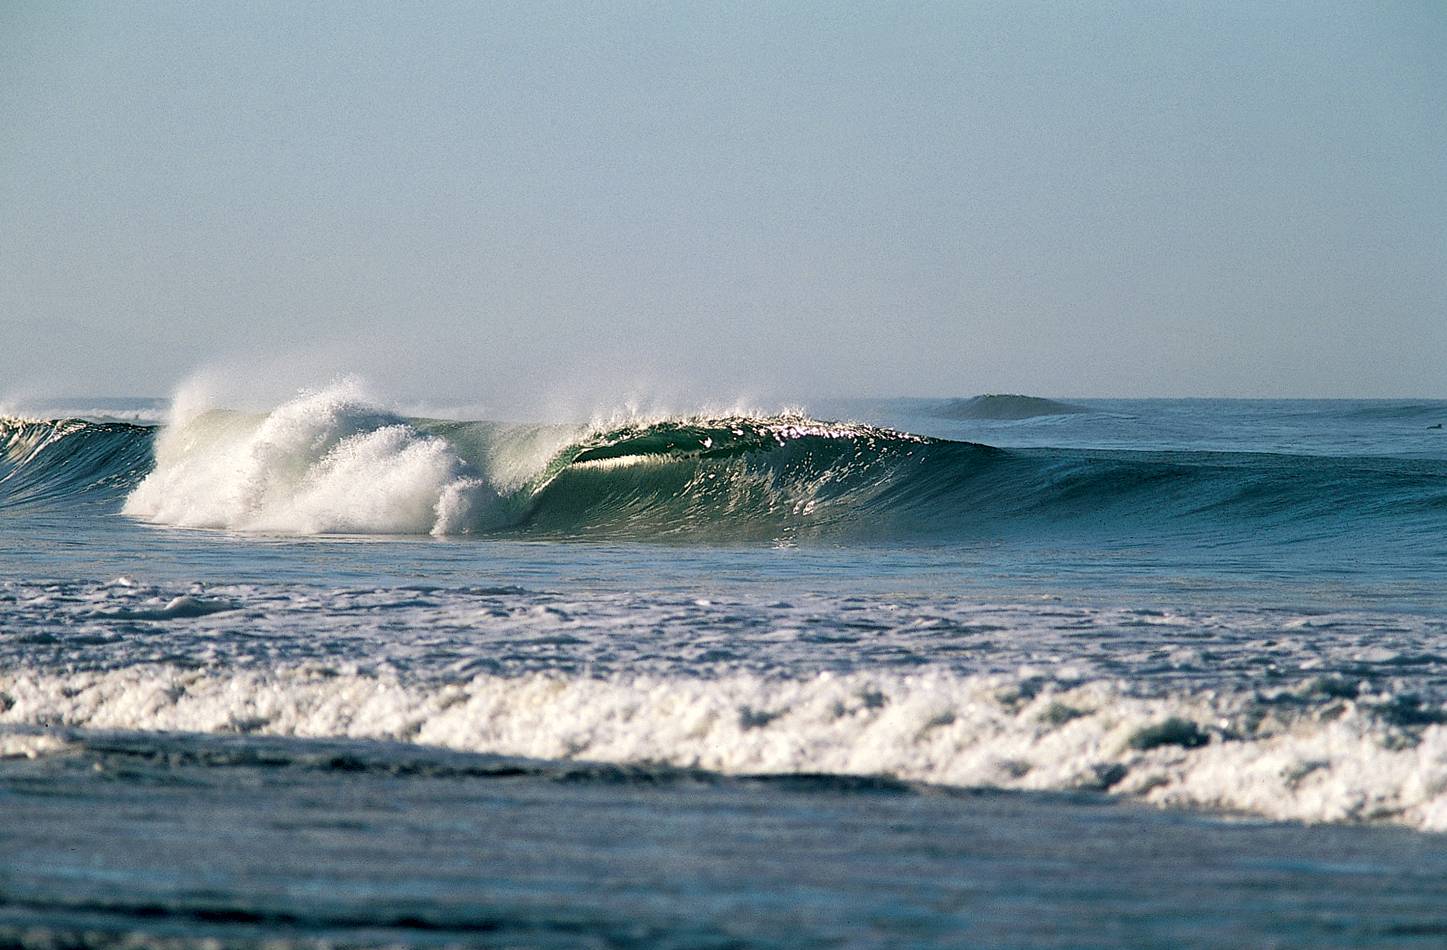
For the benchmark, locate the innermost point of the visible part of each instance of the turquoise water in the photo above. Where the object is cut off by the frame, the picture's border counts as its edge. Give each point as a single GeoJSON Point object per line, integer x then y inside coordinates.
{"type": "Point", "coordinates": [999, 670]}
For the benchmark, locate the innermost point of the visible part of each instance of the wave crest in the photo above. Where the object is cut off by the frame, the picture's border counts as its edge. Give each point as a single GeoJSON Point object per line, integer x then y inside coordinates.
{"type": "Point", "coordinates": [327, 462]}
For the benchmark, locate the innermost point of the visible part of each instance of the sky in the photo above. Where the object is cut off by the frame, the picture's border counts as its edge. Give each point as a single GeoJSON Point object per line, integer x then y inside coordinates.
{"type": "Point", "coordinates": [494, 202]}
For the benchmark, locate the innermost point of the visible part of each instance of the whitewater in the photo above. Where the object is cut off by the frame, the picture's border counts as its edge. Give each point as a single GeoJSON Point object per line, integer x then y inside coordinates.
{"type": "Point", "coordinates": [1211, 625]}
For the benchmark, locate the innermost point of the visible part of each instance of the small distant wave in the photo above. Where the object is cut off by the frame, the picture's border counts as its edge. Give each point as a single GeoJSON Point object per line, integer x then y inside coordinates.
{"type": "Point", "coordinates": [1004, 407]}
{"type": "Point", "coordinates": [1424, 412]}
{"type": "Point", "coordinates": [184, 607]}
{"type": "Point", "coordinates": [1318, 751]}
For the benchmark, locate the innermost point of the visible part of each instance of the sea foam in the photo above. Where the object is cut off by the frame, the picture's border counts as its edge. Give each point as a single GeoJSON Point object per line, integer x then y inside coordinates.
{"type": "Point", "coordinates": [1301, 760]}
{"type": "Point", "coordinates": [324, 462]}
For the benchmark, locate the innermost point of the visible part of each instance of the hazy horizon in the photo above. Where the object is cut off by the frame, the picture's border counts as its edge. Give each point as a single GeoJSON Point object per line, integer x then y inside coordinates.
{"type": "Point", "coordinates": [549, 205]}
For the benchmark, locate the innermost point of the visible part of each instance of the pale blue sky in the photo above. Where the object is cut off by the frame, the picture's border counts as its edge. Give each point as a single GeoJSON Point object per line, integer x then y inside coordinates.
{"type": "Point", "coordinates": [500, 202]}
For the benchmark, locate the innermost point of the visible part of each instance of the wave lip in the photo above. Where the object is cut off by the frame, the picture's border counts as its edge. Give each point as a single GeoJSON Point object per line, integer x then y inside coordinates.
{"type": "Point", "coordinates": [1309, 753]}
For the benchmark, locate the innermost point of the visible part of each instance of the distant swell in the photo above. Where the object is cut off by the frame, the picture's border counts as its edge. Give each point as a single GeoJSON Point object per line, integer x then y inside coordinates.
{"type": "Point", "coordinates": [1004, 407]}
{"type": "Point", "coordinates": [327, 463]}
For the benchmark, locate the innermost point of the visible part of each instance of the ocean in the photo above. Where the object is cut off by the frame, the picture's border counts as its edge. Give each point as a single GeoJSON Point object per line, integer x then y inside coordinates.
{"type": "Point", "coordinates": [996, 671]}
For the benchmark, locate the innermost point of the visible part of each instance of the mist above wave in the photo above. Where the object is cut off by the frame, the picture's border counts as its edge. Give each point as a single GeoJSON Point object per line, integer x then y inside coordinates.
{"type": "Point", "coordinates": [324, 462]}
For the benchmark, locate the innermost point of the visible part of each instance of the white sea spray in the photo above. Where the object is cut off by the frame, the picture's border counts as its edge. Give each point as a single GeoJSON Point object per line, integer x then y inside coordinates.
{"type": "Point", "coordinates": [325, 462]}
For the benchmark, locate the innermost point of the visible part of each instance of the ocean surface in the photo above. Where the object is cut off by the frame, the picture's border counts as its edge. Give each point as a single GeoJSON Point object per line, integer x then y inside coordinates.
{"type": "Point", "coordinates": [995, 671]}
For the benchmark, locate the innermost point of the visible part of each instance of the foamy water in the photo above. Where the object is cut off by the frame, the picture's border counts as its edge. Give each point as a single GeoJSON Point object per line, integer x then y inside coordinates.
{"type": "Point", "coordinates": [1248, 632]}
{"type": "Point", "coordinates": [905, 652]}
{"type": "Point", "coordinates": [1312, 717]}
{"type": "Point", "coordinates": [1292, 755]}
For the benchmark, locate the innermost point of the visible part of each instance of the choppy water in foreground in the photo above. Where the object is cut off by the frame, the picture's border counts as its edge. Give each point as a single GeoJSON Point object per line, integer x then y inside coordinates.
{"type": "Point", "coordinates": [863, 673]}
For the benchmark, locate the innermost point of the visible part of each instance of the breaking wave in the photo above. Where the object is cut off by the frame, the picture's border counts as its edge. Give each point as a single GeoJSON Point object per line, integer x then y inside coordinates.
{"type": "Point", "coordinates": [329, 463]}
{"type": "Point", "coordinates": [1319, 751]}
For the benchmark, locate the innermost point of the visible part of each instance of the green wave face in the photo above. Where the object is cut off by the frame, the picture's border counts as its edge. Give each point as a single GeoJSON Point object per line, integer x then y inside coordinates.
{"type": "Point", "coordinates": [722, 478]}
{"type": "Point", "coordinates": [731, 478]}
